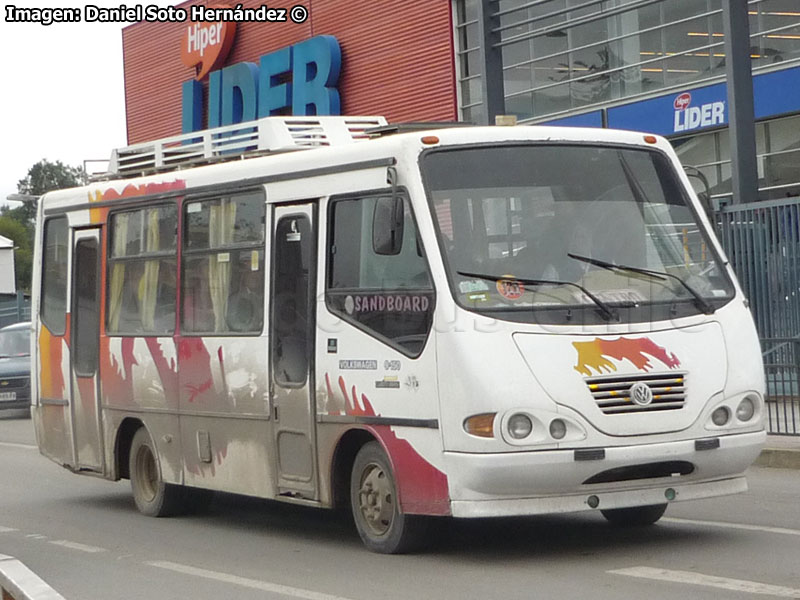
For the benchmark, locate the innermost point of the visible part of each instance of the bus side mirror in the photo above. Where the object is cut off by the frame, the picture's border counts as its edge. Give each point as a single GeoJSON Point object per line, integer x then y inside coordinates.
{"type": "Point", "coordinates": [705, 195]}
{"type": "Point", "coordinates": [388, 222]}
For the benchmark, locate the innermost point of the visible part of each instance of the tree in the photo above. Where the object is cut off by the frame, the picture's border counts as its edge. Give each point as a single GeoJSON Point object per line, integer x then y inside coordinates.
{"type": "Point", "coordinates": [18, 223]}
{"type": "Point", "coordinates": [44, 177]}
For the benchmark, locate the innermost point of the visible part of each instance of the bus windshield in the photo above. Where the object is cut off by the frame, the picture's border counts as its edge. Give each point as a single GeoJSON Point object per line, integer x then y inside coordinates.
{"type": "Point", "coordinates": [555, 232]}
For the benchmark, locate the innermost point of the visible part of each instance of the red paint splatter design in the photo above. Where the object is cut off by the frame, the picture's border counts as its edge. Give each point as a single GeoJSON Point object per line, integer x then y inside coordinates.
{"type": "Point", "coordinates": [422, 488]}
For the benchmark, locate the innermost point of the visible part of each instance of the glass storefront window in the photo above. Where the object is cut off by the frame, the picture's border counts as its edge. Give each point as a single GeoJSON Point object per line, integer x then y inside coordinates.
{"type": "Point", "coordinates": [778, 23]}
{"type": "Point", "coordinates": [467, 10]}
{"type": "Point", "coordinates": [615, 49]}
{"type": "Point", "coordinates": [473, 114]}
{"type": "Point", "coordinates": [470, 91]}
{"type": "Point", "coordinates": [777, 148]}
{"type": "Point", "coordinates": [781, 170]}
{"type": "Point", "coordinates": [552, 100]}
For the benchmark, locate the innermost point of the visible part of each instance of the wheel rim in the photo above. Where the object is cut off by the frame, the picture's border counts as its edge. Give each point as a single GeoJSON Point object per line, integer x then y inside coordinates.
{"type": "Point", "coordinates": [376, 499]}
{"type": "Point", "coordinates": [146, 474]}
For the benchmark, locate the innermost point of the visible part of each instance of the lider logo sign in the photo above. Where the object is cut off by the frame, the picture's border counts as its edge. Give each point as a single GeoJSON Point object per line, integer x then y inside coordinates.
{"type": "Point", "coordinates": [300, 79]}
{"type": "Point", "coordinates": [683, 101]}
{"type": "Point", "coordinates": [207, 45]}
{"type": "Point", "coordinates": [689, 117]}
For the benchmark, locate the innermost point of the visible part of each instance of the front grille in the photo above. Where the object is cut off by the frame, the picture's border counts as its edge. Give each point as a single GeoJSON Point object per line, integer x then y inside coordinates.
{"type": "Point", "coordinates": [13, 383]}
{"type": "Point", "coordinates": [612, 392]}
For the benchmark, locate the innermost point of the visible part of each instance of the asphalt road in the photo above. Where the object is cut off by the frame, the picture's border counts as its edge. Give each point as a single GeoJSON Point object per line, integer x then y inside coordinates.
{"type": "Point", "coordinates": [84, 537]}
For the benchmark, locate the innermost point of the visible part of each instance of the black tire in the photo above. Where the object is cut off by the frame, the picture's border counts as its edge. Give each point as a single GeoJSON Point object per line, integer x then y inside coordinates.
{"type": "Point", "coordinates": [376, 511]}
{"type": "Point", "coordinates": [637, 516]}
{"type": "Point", "coordinates": [153, 497]}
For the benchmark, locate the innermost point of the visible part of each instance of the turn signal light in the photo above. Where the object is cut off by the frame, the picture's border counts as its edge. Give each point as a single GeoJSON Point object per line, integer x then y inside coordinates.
{"type": "Point", "coordinates": [430, 140]}
{"type": "Point", "coordinates": [650, 139]}
{"type": "Point", "coordinates": [480, 425]}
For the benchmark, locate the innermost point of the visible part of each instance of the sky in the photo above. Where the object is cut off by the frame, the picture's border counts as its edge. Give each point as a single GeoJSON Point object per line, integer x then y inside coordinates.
{"type": "Point", "coordinates": [62, 91]}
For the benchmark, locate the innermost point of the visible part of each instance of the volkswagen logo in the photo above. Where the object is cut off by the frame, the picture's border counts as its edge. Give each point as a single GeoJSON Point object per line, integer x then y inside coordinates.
{"type": "Point", "coordinates": [641, 394]}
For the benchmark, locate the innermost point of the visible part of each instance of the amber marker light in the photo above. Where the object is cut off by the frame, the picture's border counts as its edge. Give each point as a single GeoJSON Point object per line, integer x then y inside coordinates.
{"type": "Point", "coordinates": [430, 139]}
{"type": "Point", "coordinates": [480, 425]}
{"type": "Point", "coordinates": [650, 139]}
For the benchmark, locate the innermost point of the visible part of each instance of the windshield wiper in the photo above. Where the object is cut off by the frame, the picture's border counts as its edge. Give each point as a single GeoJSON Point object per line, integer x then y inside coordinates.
{"type": "Point", "coordinates": [700, 302]}
{"type": "Point", "coordinates": [607, 312]}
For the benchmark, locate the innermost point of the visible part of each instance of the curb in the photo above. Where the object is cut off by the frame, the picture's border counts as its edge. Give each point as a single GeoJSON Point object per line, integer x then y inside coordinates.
{"type": "Point", "coordinates": [779, 458]}
{"type": "Point", "coordinates": [18, 582]}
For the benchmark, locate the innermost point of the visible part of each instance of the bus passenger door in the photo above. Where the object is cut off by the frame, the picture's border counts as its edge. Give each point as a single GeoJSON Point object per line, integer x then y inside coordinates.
{"type": "Point", "coordinates": [291, 331]}
{"type": "Point", "coordinates": [85, 340]}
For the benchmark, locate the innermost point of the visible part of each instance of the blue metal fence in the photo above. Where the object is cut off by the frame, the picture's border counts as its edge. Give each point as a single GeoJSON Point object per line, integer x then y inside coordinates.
{"type": "Point", "coordinates": [762, 240]}
{"type": "Point", "coordinates": [14, 309]}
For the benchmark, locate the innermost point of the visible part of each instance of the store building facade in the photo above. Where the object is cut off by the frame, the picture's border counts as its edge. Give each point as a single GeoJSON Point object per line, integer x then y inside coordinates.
{"type": "Point", "coordinates": [651, 65]}
{"type": "Point", "coordinates": [395, 60]}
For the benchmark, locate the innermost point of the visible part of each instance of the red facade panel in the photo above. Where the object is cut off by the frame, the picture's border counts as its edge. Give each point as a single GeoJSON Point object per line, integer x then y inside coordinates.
{"type": "Point", "coordinates": [397, 61]}
{"type": "Point", "coordinates": [397, 58]}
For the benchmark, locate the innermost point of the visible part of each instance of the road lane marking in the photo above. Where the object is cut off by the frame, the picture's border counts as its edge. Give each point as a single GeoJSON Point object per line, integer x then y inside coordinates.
{"type": "Point", "coordinates": [742, 526]}
{"type": "Point", "coordinates": [36, 536]}
{"type": "Point", "coordinates": [256, 584]}
{"type": "Point", "coordinates": [14, 445]}
{"type": "Point", "coordinates": [7, 529]}
{"type": "Point", "coordinates": [691, 578]}
{"type": "Point", "coordinates": [77, 546]}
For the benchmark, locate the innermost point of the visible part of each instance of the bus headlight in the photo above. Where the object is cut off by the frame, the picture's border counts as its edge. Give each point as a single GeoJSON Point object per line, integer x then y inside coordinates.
{"type": "Point", "coordinates": [558, 429]}
{"type": "Point", "coordinates": [746, 409]}
{"type": "Point", "coordinates": [519, 426]}
{"type": "Point", "coordinates": [720, 416]}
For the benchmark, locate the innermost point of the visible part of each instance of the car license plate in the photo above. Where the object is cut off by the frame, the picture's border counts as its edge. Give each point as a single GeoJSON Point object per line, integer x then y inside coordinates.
{"type": "Point", "coordinates": [8, 396]}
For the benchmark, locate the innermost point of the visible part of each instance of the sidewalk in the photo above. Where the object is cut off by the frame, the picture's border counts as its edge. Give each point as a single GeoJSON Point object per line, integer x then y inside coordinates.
{"type": "Point", "coordinates": [781, 451]}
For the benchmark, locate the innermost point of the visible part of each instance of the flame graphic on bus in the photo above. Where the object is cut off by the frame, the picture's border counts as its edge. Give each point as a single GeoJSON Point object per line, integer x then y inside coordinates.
{"type": "Point", "coordinates": [596, 354]}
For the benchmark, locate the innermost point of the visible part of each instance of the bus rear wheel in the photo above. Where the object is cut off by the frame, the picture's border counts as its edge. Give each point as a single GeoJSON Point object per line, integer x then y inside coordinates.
{"type": "Point", "coordinates": [637, 516]}
{"type": "Point", "coordinates": [153, 497]}
{"type": "Point", "coordinates": [376, 509]}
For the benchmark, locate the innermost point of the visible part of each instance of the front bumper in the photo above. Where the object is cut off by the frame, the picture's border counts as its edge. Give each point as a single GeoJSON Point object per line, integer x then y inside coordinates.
{"type": "Point", "coordinates": [19, 403]}
{"type": "Point", "coordinates": [552, 481]}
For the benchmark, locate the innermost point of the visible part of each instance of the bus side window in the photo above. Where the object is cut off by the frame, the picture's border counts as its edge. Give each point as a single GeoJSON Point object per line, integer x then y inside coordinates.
{"type": "Point", "coordinates": [222, 281]}
{"type": "Point", "coordinates": [54, 276]}
{"type": "Point", "coordinates": [387, 294]}
{"type": "Point", "coordinates": [140, 298]}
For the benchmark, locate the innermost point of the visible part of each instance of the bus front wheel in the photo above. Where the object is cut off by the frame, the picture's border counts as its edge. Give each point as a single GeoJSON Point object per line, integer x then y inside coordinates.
{"type": "Point", "coordinates": [153, 497]}
{"type": "Point", "coordinates": [376, 509]}
{"type": "Point", "coordinates": [637, 516]}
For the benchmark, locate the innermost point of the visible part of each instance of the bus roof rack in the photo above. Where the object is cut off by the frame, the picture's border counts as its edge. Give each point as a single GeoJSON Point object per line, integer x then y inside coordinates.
{"type": "Point", "coordinates": [414, 126]}
{"type": "Point", "coordinates": [242, 140]}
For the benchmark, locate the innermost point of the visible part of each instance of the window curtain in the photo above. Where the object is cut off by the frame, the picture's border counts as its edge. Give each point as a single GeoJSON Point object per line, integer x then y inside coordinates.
{"type": "Point", "coordinates": [221, 226]}
{"type": "Point", "coordinates": [148, 292]}
{"type": "Point", "coordinates": [118, 272]}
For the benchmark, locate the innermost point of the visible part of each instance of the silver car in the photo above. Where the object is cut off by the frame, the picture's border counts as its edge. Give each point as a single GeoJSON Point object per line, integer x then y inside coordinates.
{"type": "Point", "coordinates": [15, 366]}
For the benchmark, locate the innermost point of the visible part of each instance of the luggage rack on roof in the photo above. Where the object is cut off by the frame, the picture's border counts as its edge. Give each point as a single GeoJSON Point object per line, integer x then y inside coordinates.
{"type": "Point", "coordinates": [233, 142]}
{"type": "Point", "coordinates": [414, 127]}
